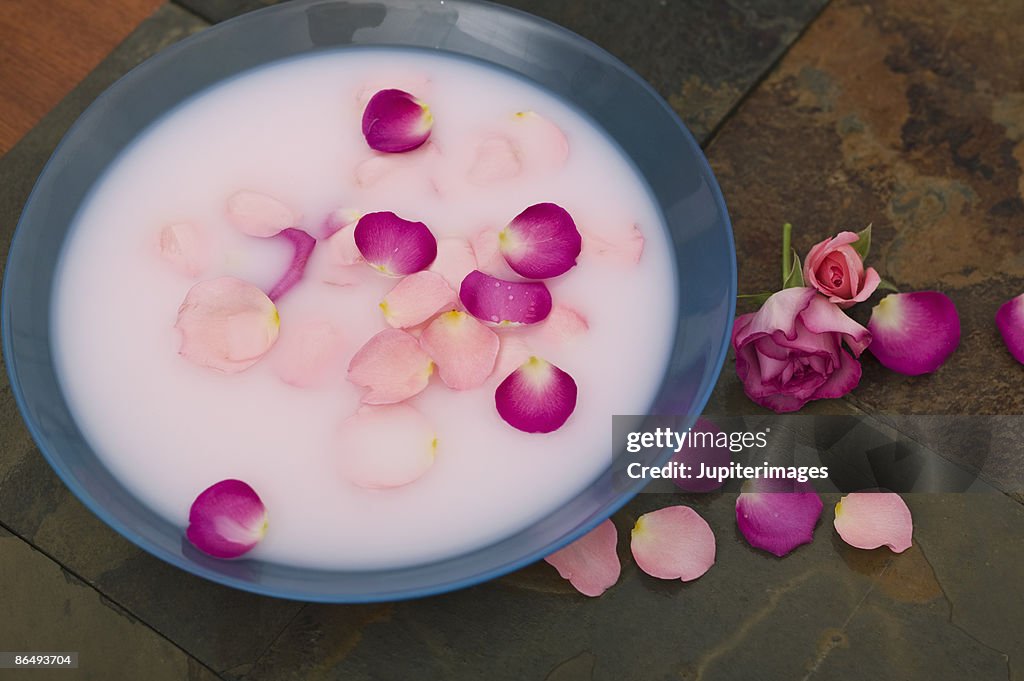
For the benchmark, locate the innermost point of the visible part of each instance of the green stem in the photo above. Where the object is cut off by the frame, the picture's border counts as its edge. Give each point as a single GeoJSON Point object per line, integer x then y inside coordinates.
{"type": "Point", "coordinates": [787, 251]}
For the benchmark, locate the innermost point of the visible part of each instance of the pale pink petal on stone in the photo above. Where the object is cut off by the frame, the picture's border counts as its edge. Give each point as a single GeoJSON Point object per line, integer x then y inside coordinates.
{"type": "Point", "coordinates": [673, 543]}
{"type": "Point", "coordinates": [538, 397]}
{"type": "Point", "coordinates": [455, 259]}
{"type": "Point", "coordinates": [463, 349]}
{"type": "Point", "coordinates": [226, 324]}
{"type": "Point", "coordinates": [260, 215]}
{"type": "Point", "coordinates": [417, 298]}
{"type": "Point", "coordinates": [227, 519]}
{"type": "Point", "coordinates": [563, 325]}
{"type": "Point", "coordinates": [867, 520]}
{"type": "Point", "coordinates": [392, 365]}
{"type": "Point", "coordinates": [386, 446]}
{"type": "Point", "coordinates": [591, 563]}
{"type": "Point", "coordinates": [308, 353]}
{"type": "Point", "coordinates": [495, 160]}
{"type": "Point", "coordinates": [625, 245]}
{"type": "Point", "coordinates": [186, 246]}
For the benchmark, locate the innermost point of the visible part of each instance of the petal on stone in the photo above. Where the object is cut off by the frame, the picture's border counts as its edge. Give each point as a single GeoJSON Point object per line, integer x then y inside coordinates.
{"type": "Point", "coordinates": [463, 349]}
{"type": "Point", "coordinates": [591, 563]}
{"type": "Point", "coordinates": [392, 365]}
{"type": "Point", "coordinates": [386, 446]}
{"type": "Point", "coordinates": [1010, 322]}
{"type": "Point", "coordinates": [538, 397]}
{"type": "Point", "coordinates": [417, 298]}
{"type": "Point", "coordinates": [914, 333]}
{"type": "Point", "coordinates": [867, 520]}
{"type": "Point", "coordinates": [227, 519]}
{"type": "Point", "coordinates": [673, 543]}
{"type": "Point", "coordinates": [498, 301]}
{"type": "Point", "coordinates": [260, 215]}
{"type": "Point", "coordinates": [777, 515]}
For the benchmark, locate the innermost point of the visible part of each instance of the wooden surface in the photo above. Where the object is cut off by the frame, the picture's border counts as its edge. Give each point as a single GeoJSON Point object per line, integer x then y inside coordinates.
{"type": "Point", "coordinates": [48, 46]}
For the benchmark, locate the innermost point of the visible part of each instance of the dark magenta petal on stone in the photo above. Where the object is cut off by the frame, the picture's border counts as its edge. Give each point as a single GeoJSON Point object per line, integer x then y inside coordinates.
{"type": "Point", "coordinates": [538, 397]}
{"type": "Point", "coordinates": [1010, 322]}
{"type": "Point", "coordinates": [777, 515]}
{"type": "Point", "coordinates": [541, 242]}
{"type": "Point", "coordinates": [394, 121]}
{"type": "Point", "coordinates": [498, 301]}
{"type": "Point", "coordinates": [227, 519]}
{"type": "Point", "coordinates": [303, 244]}
{"type": "Point", "coordinates": [914, 333]}
{"type": "Point", "coordinates": [394, 246]}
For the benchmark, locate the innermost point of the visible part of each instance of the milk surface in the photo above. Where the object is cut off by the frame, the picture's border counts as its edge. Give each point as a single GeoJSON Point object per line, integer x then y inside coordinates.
{"type": "Point", "coordinates": [168, 429]}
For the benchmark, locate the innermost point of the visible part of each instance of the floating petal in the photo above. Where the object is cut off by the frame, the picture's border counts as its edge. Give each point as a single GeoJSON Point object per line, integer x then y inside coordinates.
{"type": "Point", "coordinates": [394, 121]}
{"type": "Point", "coordinates": [777, 515]}
{"type": "Point", "coordinates": [626, 246]}
{"type": "Point", "coordinates": [303, 245]}
{"type": "Point", "coordinates": [307, 352]}
{"type": "Point", "coordinates": [394, 246]}
{"type": "Point", "coordinates": [412, 166]}
{"type": "Point", "coordinates": [1010, 321]}
{"type": "Point", "coordinates": [914, 333]}
{"type": "Point", "coordinates": [463, 349]}
{"type": "Point", "coordinates": [513, 352]}
{"type": "Point", "coordinates": [867, 520]}
{"type": "Point", "coordinates": [591, 563]}
{"type": "Point", "coordinates": [542, 145]}
{"type": "Point", "coordinates": [673, 543]}
{"type": "Point", "coordinates": [496, 160]}
{"type": "Point", "coordinates": [538, 397]}
{"type": "Point", "coordinates": [392, 365]}
{"type": "Point", "coordinates": [417, 298]}
{"type": "Point", "coordinates": [563, 325]}
{"type": "Point", "coordinates": [186, 247]}
{"type": "Point", "coordinates": [702, 450]}
{"type": "Point", "coordinates": [386, 446]}
{"type": "Point", "coordinates": [402, 79]}
{"type": "Point", "coordinates": [498, 301]}
{"type": "Point", "coordinates": [260, 215]}
{"type": "Point", "coordinates": [455, 259]}
{"type": "Point", "coordinates": [541, 242]}
{"type": "Point", "coordinates": [227, 520]}
{"type": "Point", "coordinates": [338, 219]}
{"type": "Point", "coordinates": [226, 324]}
{"type": "Point", "coordinates": [487, 250]}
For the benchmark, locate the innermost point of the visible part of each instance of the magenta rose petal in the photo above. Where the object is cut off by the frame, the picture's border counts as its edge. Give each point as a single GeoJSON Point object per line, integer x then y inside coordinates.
{"type": "Point", "coordinates": [386, 446]}
{"type": "Point", "coordinates": [394, 246]}
{"type": "Point", "coordinates": [914, 333]}
{"type": "Point", "coordinates": [777, 515]}
{"type": "Point", "coordinates": [591, 563]}
{"type": "Point", "coordinates": [226, 324]}
{"type": "Point", "coordinates": [392, 365]}
{"type": "Point", "coordinates": [186, 247]}
{"type": "Point", "coordinates": [498, 301]}
{"type": "Point", "coordinates": [624, 246]}
{"type": "Point", "coordinates": [563, 324]}
{"type": "Point", "coordinates": [302, 244]}
{"type": "Point", "coordinates": [541, 242]}
{"type": "Point", "coordinates": [1010, 322]}
{"type": "Point", "coordinates": [702, 453]}
{"type": "Point", "coordinates": [395, 121]}
{"type": "Point", "coordinates": [867, 520]}
{"type": "Point", "coordinates": [538, 397]}
{"type": "Point", "coordinates": [227, 519]}
{"type": "Point", "coordinates": [308, 353]}
{"type": "Point", "coordinates": [455, 259]}
{"type": "Point", "coordinates": [417, 298]}
{"type": "Point", "coordinates": [673, 543]}
{"type": "Point", "coordinates": [463, 349]}
{"type": "Point", "coordinates": [260, 215]}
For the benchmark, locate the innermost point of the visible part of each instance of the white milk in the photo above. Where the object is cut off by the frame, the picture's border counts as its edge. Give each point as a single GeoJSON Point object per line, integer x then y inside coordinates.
{"type": "Point", "coordinates": [168, 429]}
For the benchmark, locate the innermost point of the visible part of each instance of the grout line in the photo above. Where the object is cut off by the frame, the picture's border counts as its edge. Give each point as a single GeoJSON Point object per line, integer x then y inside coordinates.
{"type": "Point", "coordinates": [273, 642]}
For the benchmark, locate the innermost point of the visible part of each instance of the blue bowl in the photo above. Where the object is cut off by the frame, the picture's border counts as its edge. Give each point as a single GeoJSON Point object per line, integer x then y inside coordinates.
{"type": "Point", "coordinates": [578, 71]}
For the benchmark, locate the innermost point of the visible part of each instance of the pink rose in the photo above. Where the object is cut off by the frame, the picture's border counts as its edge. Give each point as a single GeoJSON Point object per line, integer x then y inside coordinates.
{"type": "Point", "coordinates": [790, 351]}
{"type": "Point", "coordinates": [836, 269]}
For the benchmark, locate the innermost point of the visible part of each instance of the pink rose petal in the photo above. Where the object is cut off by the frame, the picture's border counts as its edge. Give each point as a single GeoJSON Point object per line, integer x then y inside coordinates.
{"type": "Point", "coordinates": [338, 219]}
{"type": "Point", "coordinates": [227, 520]}
{"type": "Point", "coordinates": [626, 246]}
{"type": "Point", "coordinates": [867, 520]}
{"type": "Point", "coordinates": [777, 515]}
{"type": "Point", "coordinates": [563, 324]}
{"type": "Point", "coordinates": [412, 166]}
{"type": "Point", "coordinates": [394, 246]}
{"type": "Point", "coordinates": [541, 242]}
{"type": "Point", "coordinates": [591, 563]}
{"type": "Point", "coordinates": [498, 301]}
{"type": "Point", "coordinates": [387, 446]}
{"type": "Point", "coordinates": [395, 121]}
{"type": "Point", "coordinates": [538, 397]}
{"type": "Point", "coordinates": [463, 349]}
{"type": "Point", "coordinates": [226, 324]}
{"type": "Point", "coordinates": [417, 298]}
{"type": "Point", "coordinates": [1010, 322]}
{"type": "Point", "coordinates": [541, 144]}
{"type": "Point", "coordinates": [260, 215]}
{"type": "Point", "coordinates": [339, 255]}
{"type": "Point", "coordinates": [392, 365]}
{"type": "Point", "coordinates": [455, 259]}
{"type": "Point", "coordinates": [307, 353]}
{"type": "Point", "coordinates": [673, 543]}
{"type": "Point", "coordinates": [303, 245]}
{"type": "Point", "coordinates": [496, 160]}
{"type": "Point", "coordinates": [186, 247]}
{"type": "Point", "coordinates": [704, 452]}
{"type": "Point", "coordinates": [487, 251]}
{"type": "Point", "coordinates": [914, 333]}
{"type": "Point", "coordinates": [513, 352]}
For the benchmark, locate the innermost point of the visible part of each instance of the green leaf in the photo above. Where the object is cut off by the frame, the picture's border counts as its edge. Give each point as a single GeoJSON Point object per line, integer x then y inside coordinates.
{"type": "Point", "coordinates": [795, 277]}
{"type": "Point", "coordinates": [886, 285]}
{"type": "Point", "coordinates": [787, 250]}
{"type": "Point", "coordinates": [863, 243]}
{"type": "Point", "coordinates": [756, 298]}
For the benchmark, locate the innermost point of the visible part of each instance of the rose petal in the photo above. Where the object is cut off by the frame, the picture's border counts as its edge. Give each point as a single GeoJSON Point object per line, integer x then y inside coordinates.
{"type": "Point", "coordinates": [463, 349]}
{"type": "Point", "coordinates": [498, 301]}
{"type": "Point", "coordinates": [538, 397]}
{"type": "Point", "coordinates": [673, 543]}
{"type": "Point", "coordinates": [1010, 322]}
{"type": "Point", "coordinates": [487, 251]}
{"type": "Point", "coordinates": [403, 79]}
{"type": "Point", "coordinates": [625, 246]}
{"type": "Point", "coordinates": [591, 563]}
{"type": "Point", "coordinates": [417, 298]}
{"type": "Point", "coordinates": [542, 144]}
{"type": "Point", "coordinates": [307, 352]}
{"type": "Point", "coordinates": [777, 515]}
{"type": "Point", "coordinates": [914, 333]}
{"type": "Point", "coordinates": [392, 365]}
{"type": "Point", "coordinates": [338, 219]}
{"type": "Point", "coordinates": [226, 324]}
{"type": "Point", "coordinates": [541, 242]}
{"type": "Point", "coordinates": [186, 247]}
{"type": "Point", "coordinates": [260, 215]}
{"type": "Point", "coordinates": [227, 519]}
{"type": "Point", "coordinates": [303, 245]}
{"type": "Point", "coordinates": [496, 160]}
{"type": "Point", "coordinates": [867, 520]}
{"type": "Point", "coordinates": [513, 352]}
{"type": "Point", "coordinates": [395, 121]}
{"type": "Point", "coordinates": [455, 259]}
{"type": "Point", "coordinates": [412, 166]}
{"type": "Point", "coordinates": [563, 324]}
{"type": "Point", "coordinates": [394, 246]}
{"type": "Point", "coordinates": [702, 451]}
{"type": "Point", "coordinates": [386, 446]}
